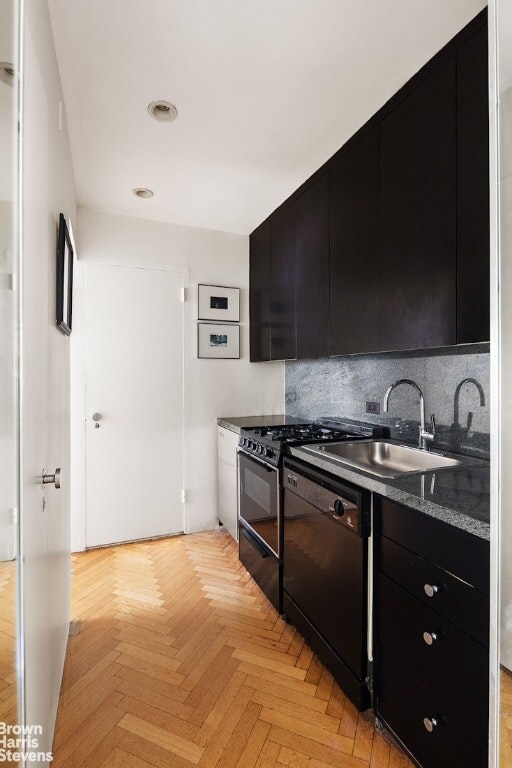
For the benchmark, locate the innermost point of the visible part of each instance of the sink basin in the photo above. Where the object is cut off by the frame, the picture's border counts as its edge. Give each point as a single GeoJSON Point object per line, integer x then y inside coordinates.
{"type": "Point", "coordinates": [389, 459]}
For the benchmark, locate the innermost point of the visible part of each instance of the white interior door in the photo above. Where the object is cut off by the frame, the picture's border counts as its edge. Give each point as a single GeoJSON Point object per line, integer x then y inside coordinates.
{"type": "Point", "coordinates": [134, 403]}
{"type": "Point", "coordinates": [45, 444]}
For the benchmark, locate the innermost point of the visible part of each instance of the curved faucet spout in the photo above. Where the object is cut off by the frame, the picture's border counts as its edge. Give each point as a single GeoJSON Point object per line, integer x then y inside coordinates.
{"type": "Point", "coordinates": [396, 384]}
{"type": "Point", "coordinates": [456, 403]}
{"type": "Point", "coordinates": [424, 436]}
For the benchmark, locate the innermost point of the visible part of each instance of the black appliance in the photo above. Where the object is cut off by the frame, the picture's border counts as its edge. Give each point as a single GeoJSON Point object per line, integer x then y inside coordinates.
{"type": "Point", "coordinates": [325, 571]}
{"type": "Point", "coordinates": [260, 461]}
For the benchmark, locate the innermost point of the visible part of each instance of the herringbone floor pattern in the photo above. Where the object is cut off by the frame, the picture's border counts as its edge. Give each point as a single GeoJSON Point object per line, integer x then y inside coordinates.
{"type": "Point", "coordinates": [8, 679]}
{"type": "Point", "coordinates": [182, 661]}
{"type": "Point", "coordinates": [505, 719]}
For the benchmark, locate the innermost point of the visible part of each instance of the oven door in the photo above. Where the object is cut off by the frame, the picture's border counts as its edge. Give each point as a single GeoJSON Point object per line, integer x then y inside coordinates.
{"type": "Point", "coordinates": [259, 500]}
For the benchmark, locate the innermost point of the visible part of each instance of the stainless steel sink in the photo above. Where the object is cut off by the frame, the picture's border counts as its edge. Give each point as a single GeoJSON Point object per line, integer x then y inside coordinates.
{"type": "Point", "coordinates": [389, 459]}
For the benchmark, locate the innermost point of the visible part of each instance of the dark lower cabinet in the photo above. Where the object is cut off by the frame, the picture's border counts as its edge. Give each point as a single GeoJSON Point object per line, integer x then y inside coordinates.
{"type": "Point", "coordinates": [404, 708]}
{"type": "Point", "coordinates": [431, 659]}
{"type": "Point", "coordinates": [418, 269]}
{"type": "Point", "coordinates": [283, 250]}
{"type": "Point", "coordinates": [354, 269]}
{"type": "Point", "coordinates": [313, 271]}
{"type": "Point", "coordinates": [473, 234]}
{"type": "Point", "coordinates": [259, 295]}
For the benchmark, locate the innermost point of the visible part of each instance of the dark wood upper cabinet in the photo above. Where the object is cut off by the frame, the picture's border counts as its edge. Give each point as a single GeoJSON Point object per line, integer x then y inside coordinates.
{"type": "Point", "coordinates": [312, 288]}
{"type": "Point", "coordinates": [354, 263]}
{"type": "Point", "coordinates": [473, 190]}
{"type": "Point", "coordinates": [283, 250]}
{"type": "Point", "coordinates": [259, 295]}
{"type": "Point", "coordinates": [418, 217]}
{"type": "Point", "coordinates": [386, 247]}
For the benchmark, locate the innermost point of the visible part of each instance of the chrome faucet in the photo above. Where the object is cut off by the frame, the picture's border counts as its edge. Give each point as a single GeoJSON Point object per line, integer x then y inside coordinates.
{"type": "Point", "coordinates": [456, 425]}
{"type": "Point", "coordinates": [425, 437]}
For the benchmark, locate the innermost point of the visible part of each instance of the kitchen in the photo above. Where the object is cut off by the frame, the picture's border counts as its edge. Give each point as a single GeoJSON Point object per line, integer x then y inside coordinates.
{"type": "Point", "coordinates": [331, 386]}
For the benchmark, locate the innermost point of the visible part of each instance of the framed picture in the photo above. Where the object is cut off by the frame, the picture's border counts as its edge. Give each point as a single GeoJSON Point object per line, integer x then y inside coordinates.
{"type": "Point", "coordinates": [217, 303]}
{"type": "Point", "coordinates": [64, 277]}
{"type": "Point", "coordinates": [216, 340]}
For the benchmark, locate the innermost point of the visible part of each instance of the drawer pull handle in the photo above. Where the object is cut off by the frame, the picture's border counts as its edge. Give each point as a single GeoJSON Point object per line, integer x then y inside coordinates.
{"type": "Point", "coordinates": [431, 590]}
{"type": "Point", "coordinates": [430, 637]}
{"type": "Point", "coordinates": [430, 723]}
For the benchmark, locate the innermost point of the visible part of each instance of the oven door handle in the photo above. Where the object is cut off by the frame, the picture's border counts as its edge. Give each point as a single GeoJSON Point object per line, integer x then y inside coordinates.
{"type": "Point", "coordinates": [254, 543]}
{"type": "Point", "coordinates": [261, 463]}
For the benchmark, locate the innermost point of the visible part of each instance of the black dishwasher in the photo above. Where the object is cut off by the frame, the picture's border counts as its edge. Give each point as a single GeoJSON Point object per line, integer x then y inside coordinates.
{"type": "Point", "coordinates": [325, 571]}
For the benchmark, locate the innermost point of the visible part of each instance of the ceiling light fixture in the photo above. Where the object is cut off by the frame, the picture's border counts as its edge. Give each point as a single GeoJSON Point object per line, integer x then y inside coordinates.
{"type": "Point", "coordinates": [163, 111]}
{"type": "Point", "coordinates": [143, 192]}
{"type": "Point", "coordinates": [7, 73]}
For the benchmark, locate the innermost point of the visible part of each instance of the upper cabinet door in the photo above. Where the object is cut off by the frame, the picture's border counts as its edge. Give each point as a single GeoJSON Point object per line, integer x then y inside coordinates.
{"type": "Point", "coordinates": [473, 190]}
{"type": "Point", "coordinates": [283, 249]}
{"type": "Point", "coordinates": [354, 267]}
{"type": "Point", "coordinates": [313, 271]}
{"type": "Point", "coordinates": [418, 217]}
{"type": "Point", "coordinates": [259, 296]}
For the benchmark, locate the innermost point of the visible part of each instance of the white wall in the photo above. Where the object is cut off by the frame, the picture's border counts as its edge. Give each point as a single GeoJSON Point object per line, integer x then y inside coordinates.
{"type": "Point", "coordinates": [213, 388]}
{"type": "Point", "coordinates": [47, 189]}
{"type": "Point", "coordinates": [7, 373]}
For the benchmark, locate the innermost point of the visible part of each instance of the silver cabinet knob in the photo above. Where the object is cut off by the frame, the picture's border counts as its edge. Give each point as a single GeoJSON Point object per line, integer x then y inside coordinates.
{"type": "Point", "coordinates": [52, 479]}
{"type": "Point", "coordinates": [430, 590]}
{"type": "Point", "coordinates": [430, 637]}
{"type": "Point", "coordinates": [430, 723]}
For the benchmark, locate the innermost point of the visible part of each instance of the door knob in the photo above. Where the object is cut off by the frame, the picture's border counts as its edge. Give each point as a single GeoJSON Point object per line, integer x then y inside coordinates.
{"type": "Point", "coordinates": [49, 479]}
{"type": "Point", "coordinates": [97, 418]}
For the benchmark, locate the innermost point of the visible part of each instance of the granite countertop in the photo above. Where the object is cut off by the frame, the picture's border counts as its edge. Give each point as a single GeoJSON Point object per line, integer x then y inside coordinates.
{"type": "Point", "coordinates": [459, 497]}
{"type": "Point", "coordinates": [236, 423]}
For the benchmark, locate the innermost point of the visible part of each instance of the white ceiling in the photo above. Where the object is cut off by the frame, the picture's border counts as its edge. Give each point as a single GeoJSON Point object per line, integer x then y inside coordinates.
{"type": "Point", "coordinates": [267, 90]}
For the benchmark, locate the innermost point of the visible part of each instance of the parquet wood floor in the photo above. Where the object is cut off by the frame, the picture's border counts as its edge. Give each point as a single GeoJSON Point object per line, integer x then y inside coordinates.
{"type": "Point", "coordinates": [181, 661]}
{"type": "Point", "coordinates": [505, 719]}
{"type": "Point", "coordinates": [8, 673]}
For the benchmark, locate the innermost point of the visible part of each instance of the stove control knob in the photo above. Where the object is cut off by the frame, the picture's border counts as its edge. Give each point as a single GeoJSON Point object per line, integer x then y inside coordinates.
{"type": "Point", "coordinates": [269, 453]}
{"type": "Point", "coordinates": [243, 442]}
{"type": "Point", "coordinates": [339, 509]}
{"type": "Point", "coordinates": [259, 450]}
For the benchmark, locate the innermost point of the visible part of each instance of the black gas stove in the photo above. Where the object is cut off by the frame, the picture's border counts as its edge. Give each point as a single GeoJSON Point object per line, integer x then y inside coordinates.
{"type": "Point", "coordinates": [270, 443]}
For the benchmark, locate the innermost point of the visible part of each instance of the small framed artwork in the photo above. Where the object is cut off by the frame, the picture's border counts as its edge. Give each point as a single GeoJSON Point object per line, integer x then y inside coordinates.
{"type": "Point", "coordinates": [217, 303]}
{"type": "Point", "coordinates": [64, 277]}
{"type": "Point", "coordinates": [216, 340]}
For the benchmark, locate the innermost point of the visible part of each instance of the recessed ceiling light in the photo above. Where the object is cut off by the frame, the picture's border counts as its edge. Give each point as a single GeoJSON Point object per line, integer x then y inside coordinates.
{"type": "Point", "coordinates": [143, 192]}
{"type": "Point", "coordinates": [163, 111]}
{"type": "Point", "coordinates": [7, 73]}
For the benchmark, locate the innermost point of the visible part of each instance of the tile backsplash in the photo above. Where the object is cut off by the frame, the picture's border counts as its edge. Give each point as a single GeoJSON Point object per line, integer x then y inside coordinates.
{"type": "Point", "coordinates": [340, 386]}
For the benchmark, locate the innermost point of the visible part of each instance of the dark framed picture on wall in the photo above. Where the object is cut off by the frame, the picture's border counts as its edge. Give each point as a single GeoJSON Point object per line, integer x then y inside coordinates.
{"type": "Point", "coordinates": [215, 302]}
{"type": "Point", "coordinates": [65, 257]}
{"type": "Point", "coordinates": [218, 340]}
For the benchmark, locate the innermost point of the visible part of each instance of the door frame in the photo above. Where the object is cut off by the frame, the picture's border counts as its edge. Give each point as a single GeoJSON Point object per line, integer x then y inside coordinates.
{"type": "Point", "coordinates": [79, 391]}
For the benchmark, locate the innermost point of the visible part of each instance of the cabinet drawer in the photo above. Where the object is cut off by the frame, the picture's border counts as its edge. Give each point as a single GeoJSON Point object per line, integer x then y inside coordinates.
{"type": "Point", "coordinates": [403, 705]}
{"type": "Point", "coordinates": [262, 565]}
{"type": "Point", "coordinates": [444, 659]}
{"type": "Point", "coordinates": [462, 554]}
{"type": "Point", "coordinates": [451, 597]}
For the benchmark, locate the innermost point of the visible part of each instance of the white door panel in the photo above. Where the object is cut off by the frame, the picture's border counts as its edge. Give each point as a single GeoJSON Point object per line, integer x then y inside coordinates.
{"type": "Point", "coordinates": [134, 381]}
{"type": "Point", "coordinates": [40, 688]}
